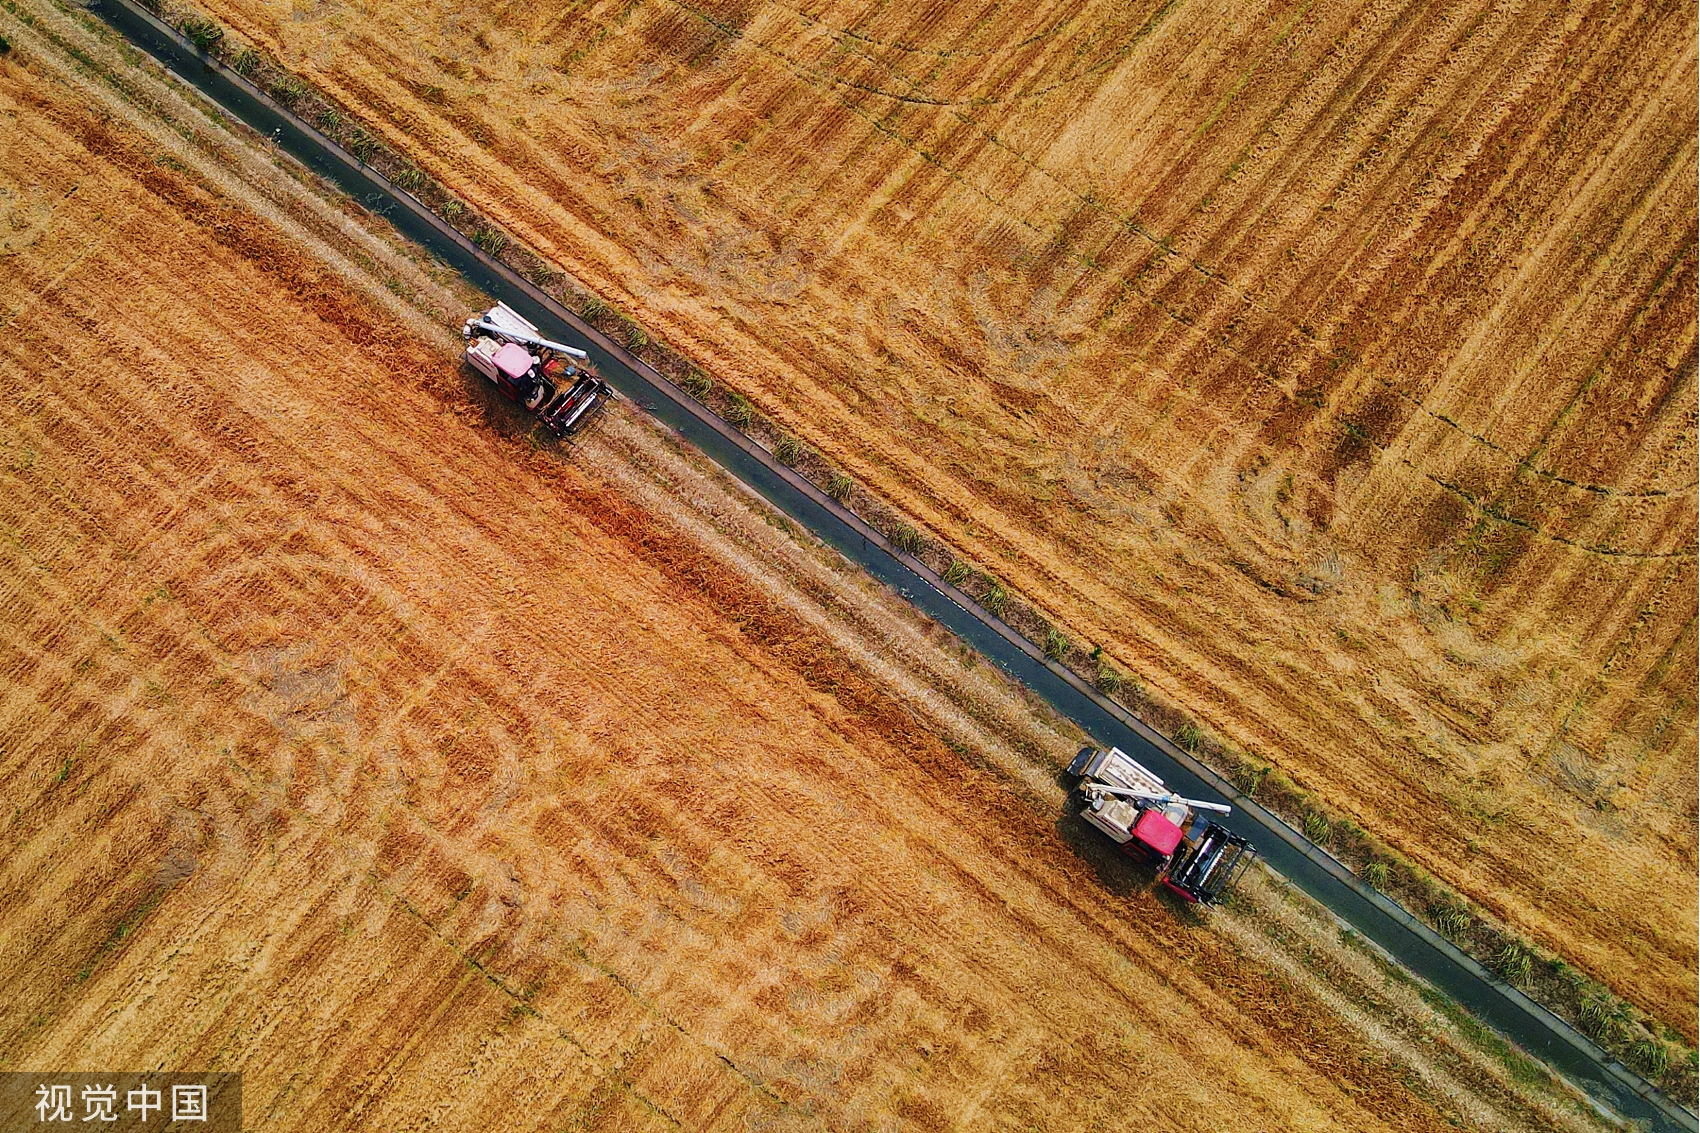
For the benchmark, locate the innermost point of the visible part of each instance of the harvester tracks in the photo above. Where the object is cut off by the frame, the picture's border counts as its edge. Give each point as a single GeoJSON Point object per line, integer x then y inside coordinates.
{"type": "Point", "coordinates": [1373, 915]}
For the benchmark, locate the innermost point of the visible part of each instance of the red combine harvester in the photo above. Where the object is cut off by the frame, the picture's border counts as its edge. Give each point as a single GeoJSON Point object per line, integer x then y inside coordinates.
{"type": "Point", "coordinates": [1199, 859]}
{"type": "Point", "coordinates": [552, 382]}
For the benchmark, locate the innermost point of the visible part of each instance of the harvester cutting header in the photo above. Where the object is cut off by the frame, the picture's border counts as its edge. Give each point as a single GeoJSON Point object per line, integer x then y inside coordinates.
{"type": "Point", "coordinates": [1197, 858]}
{"type": "Point", "coordinates": [548, 378]}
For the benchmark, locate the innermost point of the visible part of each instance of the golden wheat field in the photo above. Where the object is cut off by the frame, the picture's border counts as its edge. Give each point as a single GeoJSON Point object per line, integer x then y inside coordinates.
{"type": "Point", "coordinates": [350, 742]}
{"type": "Point", "coordinates": [1331, 365]}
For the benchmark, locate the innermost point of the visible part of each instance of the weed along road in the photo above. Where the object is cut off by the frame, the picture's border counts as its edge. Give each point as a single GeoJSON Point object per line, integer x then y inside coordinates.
{"type": "Point", "coordinates": [1371, 914]}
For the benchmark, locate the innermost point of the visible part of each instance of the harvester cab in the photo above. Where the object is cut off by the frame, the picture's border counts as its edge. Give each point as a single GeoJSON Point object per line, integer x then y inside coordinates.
{"type": "Point", "coordinates": [1197, 858]}
{"type": "Point", "coordinates": [548, 378]}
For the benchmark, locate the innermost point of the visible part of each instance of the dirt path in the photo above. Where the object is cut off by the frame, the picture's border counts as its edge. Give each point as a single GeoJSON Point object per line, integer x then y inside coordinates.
{"type": "Point", "coordinates": [1332, 367]}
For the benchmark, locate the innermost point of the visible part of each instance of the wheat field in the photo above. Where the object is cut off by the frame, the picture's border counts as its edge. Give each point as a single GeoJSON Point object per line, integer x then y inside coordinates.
{"type": "Point", "coordinates": [1331, 365]}
{"type": "Point", "coordinates": [427, 778]}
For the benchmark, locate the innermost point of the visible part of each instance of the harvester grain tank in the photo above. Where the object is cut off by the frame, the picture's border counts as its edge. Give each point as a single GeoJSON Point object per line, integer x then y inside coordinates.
{"type": "Point", "coordinates": [1196, 857]}
{"type": "Point", "coordinates": [548, 378]}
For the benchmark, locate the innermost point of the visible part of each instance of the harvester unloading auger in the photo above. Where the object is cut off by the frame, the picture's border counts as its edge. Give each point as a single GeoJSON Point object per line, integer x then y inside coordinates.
{"type": "Point", "coordinates": [1197, 858]}
{"type": "Point", "coordinates": [552, 382]}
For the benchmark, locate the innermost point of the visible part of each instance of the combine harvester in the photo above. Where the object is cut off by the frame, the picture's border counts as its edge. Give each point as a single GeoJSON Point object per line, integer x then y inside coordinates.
{"type": "Point", "coordinates": [1199, 859]}
{"type": "Point", "coordinates": [552, 382]}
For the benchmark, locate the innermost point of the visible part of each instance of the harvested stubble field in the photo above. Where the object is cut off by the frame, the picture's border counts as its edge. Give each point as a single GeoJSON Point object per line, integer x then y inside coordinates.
{"type": "Point", "coordinates": [354, 743]}
{"type": "Point", "coordinates": [1331, 365]}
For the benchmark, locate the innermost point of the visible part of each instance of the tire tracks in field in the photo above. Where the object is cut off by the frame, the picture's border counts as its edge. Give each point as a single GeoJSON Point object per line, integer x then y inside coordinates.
{"type": "Point", "coordinates": [222, 662]}
{"type": "Point", "coordinates": [668, 488]}
{"type": "Point", "coordinates": [231, 671]}
{"type": "Point", "coordinates": [841, 33]}
{"type": "Point", "coordinates": [1093, 199]}
{"type": "Point", "coordinates": [353, 848]}
{"type": "Point", "coordinates": [522, 1002]}
{"type": "Point", "coordinates": [1307, 949]}
{"type": "Point", "coordinates": [918, 96]}
{"type": "Point", "coordinates": [659, 467]}
{"type": "Point", "coordinates": [970, 706]}
{"type": "Point", "coordinates": [149, 674]}
{"type": "Point", "coordinates": [1345, 426]}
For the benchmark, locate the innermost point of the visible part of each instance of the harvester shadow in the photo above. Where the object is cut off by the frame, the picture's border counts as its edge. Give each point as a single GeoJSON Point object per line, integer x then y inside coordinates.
{"type": "Point", "coordinates": [509, 419]}
{"type": "Point", "coordinates": [1116, 872]}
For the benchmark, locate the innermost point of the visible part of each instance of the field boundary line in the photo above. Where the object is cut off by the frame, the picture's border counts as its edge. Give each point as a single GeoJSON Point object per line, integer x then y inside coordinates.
{"type": "Point", "coordinates": [1427, 955]}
